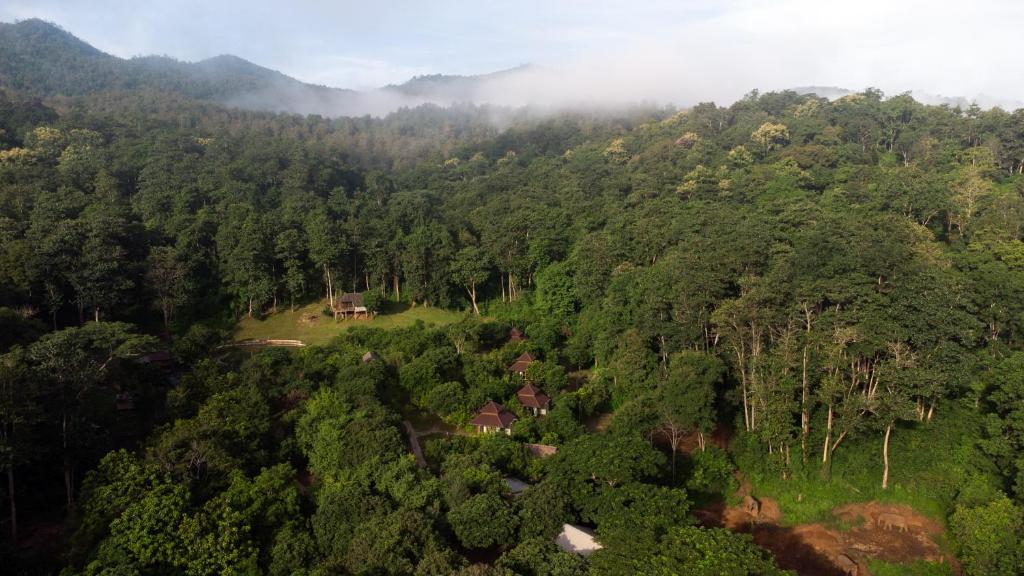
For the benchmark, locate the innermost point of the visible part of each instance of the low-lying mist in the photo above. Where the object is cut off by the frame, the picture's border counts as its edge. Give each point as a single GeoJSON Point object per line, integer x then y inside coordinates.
{"type": "Point", "coordinates": [650, 77]}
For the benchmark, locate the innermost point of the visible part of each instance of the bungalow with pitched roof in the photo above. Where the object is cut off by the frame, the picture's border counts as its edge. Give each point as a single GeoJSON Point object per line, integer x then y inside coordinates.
{"type": "Point", "coordinates": [493, 417]}
{"type": "Point", "coordinates": [521, 364]}
{"type": "Point", "coordinates": [351, 305]}
{"type": "Point", "coordinates": [533, 399]}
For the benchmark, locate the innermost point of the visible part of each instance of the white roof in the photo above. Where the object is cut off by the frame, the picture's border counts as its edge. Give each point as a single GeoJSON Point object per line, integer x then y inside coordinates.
{"type": "Point", "coordinates": [577, 539]}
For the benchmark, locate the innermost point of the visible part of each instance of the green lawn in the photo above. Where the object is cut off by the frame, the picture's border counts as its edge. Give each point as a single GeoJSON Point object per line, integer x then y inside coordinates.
{"type": "Point", "coordinates": [929, 464]}
{"type": "Point", "coordinates": [919, 568]}
{"type": "Point", "coordinates": [288, 325]}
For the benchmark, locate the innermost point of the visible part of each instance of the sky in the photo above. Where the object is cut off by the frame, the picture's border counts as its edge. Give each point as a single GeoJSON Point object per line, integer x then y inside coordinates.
{"type": "Point", "coordinates": [653, 50]}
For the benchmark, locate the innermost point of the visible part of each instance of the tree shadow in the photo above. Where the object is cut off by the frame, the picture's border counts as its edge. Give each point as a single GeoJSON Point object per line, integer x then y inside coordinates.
{"type": "Point", "coordinates": [791, 552]}
{"type": "Point", "coordinates": [390, 307]}
{"type": "Point", "coordinates": [786, 545]}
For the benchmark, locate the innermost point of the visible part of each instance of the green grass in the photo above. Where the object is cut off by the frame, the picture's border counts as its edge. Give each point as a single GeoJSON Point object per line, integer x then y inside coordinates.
{"type": "Point", "coordinates": [928, 464]}
{"type": "Point", "coordinates": [918, 568]}
{"type": "Point", "coordinates": [288, 325]}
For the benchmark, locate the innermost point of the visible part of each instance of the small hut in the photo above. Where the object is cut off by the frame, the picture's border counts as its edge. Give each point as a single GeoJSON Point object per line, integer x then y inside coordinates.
{"type": "Point", "coordinates": [521, 364]}
{"type": "Point", "coordinates": [533, 399]}
{"type": "Point", "coordinates": [493, 417]}
{"type": "Point", "coordinates": [516, 335]}
{"type": "Point", "coordinates": [351, 305]}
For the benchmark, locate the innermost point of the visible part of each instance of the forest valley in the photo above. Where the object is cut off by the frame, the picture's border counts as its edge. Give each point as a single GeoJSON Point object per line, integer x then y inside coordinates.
{"type": "Point", "coordinates": [788, 304]}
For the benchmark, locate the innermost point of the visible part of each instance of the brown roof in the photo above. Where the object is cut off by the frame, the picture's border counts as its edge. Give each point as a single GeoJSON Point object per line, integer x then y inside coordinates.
{"type": "Point", "coordinates": [516, 335]}
{"type": "Point", "coordinates": [531, 397]}
{"type": "Point", "coordinates": [351, 299]}
{"type": "Point", "coordinates": [493, 415]}
{"type": "Point", "coordinates": [521, 363]}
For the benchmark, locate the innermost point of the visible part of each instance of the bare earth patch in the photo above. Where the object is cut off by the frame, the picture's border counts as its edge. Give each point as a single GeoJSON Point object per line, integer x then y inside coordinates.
{"type": "Point", "coordinates": [889, 532]}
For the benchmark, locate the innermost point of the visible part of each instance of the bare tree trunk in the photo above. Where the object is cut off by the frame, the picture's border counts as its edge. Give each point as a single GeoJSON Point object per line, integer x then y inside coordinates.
{"type": "Point", "coordinates": [885, 458]}
{"type": "Point", "coordinates": [472, 297]}
{"type": "Point", "coordinates": [502, 278]}
{"type": "Point", "coordinates": [398, 292]}
{"type": "Point", "coordinates": [805, 392]}
{"type": "Point", "coordinates": [96, 314]}
{"type": "Point", "coordinates": [805, 409]}
{"type": "Point", "coordinates": [746, 404]}
{"type": "Point", "coordinates": [828, 437]}
{"type": "Point", "coordinates": [330, 286]}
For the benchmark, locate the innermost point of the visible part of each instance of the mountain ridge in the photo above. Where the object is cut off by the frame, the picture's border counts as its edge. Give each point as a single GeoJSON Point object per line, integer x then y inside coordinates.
{"type": "Point", "coordinates": [41, 59]}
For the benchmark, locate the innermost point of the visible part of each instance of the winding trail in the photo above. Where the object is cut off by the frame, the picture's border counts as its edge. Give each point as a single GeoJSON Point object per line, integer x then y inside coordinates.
{"type": "Point", "coordinates": [414, 443]}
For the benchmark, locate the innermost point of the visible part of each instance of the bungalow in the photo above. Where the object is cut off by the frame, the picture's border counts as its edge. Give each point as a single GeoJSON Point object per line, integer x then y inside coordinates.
{"type": "Point", "coordinates": [351, 305]}
{"type": "Point", "coordinates": [533, 399]}
{"type": "Point", "coordinates": [516, 335]}
{"type": "Point", "coordinates": [493, 417]}
{"type": "Point", "coordinates": [521, 364]}
{"type": "Point", "coordinates": [577, 539]}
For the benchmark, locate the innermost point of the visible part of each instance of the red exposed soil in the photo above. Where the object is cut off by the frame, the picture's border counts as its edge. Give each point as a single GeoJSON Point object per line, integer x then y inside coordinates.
{"type": "Point", "coordinates": [816, 549]}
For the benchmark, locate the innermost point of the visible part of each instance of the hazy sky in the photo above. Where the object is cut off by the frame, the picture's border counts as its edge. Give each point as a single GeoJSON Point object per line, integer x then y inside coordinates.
{"type": "Point", "coordinates": [654, 49]}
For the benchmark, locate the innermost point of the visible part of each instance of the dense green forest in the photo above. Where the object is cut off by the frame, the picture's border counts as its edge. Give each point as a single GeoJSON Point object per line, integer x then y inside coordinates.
{"type": "Point", "coordinates": [821, 302]}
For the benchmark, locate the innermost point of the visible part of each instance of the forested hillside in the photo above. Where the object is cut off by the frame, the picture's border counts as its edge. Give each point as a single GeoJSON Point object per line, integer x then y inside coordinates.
{"type": "Point", "coordinates": [815, 302]}
{"type": "Point", "coordinates": [41, 59]}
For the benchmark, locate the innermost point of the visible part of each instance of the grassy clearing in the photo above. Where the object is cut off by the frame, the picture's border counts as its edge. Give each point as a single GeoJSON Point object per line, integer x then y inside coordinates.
{"type": "Point", "coordinates": [929, 464]}
{"type": "Point", "coordinates": [288, 324]}
{"type": "Point", "coordinates": [919, 568]}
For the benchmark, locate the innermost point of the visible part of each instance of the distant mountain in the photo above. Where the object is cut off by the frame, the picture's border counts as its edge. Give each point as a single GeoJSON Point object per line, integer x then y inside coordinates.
{"type": "Point", "coordinates": [41, 59]}
{"type": "Point", "coordinates": [453, 87]}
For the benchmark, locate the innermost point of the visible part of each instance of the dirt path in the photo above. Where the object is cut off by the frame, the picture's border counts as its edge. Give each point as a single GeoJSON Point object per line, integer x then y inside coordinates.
{"type": "Point", "coordinates": [889, 532]}
{"type": "Point", "coordinates": [414, 443]}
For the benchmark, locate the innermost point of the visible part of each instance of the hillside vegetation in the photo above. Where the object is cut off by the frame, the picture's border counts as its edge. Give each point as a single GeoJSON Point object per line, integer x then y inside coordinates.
{"type": "Point", "coordinates": [803, 301]}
